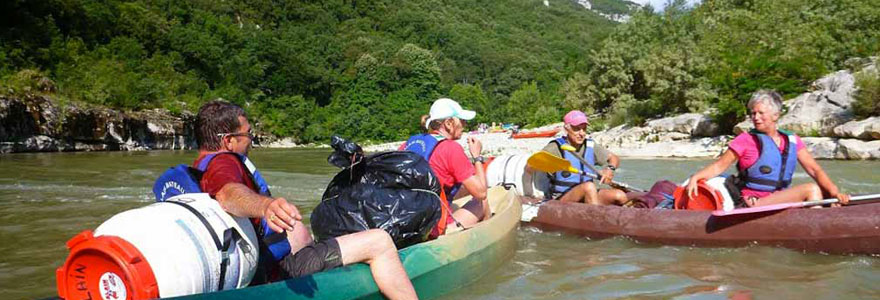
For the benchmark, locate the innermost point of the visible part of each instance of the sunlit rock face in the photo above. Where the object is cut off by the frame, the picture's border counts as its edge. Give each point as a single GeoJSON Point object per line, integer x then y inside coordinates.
{"type": "Point", "coordinates": [37, 124]}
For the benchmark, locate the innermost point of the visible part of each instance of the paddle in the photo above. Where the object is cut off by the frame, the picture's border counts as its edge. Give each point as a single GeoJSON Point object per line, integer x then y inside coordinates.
{"type": "Point", "coordinates": [615, 184]}
{"type": "Point", "coordinates": [781, 206]}
{"type": "Point", "coordinates": [546, 162]}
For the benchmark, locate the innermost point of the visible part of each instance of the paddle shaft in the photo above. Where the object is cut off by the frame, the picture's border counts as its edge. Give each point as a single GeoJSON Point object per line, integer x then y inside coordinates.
{"type": "Point", "coordinates": [597, 177]}
{"type": "Point", "coordinates": [782, 206]}
{"type": "Point", "coordinates": [835, 200]}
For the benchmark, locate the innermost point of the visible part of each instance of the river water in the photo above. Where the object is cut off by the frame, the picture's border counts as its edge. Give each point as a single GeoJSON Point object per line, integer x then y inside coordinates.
{"type": "Point", "coordinates": [47, 198]}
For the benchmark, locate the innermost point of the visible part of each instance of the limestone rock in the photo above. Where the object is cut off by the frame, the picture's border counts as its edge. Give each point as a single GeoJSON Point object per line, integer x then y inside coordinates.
{"type": "Point", "coordinates": [691, 123]}
{"type": "Point", "coordinates": [821, 147]}
{"type": "Point", "coordinates": [743, 126]}
{"type": "Point", "coordinates": [867, 129]}
{"type": "Point", "coordinates": [819, 111]}
{"type": "Point", "coordinates": [38, 124]}
{"type": "Point", "coordinates": [282, 143]}
{"type": "Point", "coordinates": [700, 147]}
{"type": "Point", "coordinates": [859, 150]}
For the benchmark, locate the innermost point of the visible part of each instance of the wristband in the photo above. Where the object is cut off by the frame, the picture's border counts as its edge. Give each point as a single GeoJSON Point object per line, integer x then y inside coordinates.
{"type": "Point", "coordinates": [479, 159]}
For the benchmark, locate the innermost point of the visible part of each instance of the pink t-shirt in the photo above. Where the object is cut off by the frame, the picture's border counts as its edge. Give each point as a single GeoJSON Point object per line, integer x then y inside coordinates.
{"type": "Point", "coordinates": [745, 146]}
{"type": "Point", "coordinates": [450, 164]}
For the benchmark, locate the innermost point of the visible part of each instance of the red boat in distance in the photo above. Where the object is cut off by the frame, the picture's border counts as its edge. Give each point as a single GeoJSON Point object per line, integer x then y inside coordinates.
{"type": "Point", "coordinates": [536, 134]}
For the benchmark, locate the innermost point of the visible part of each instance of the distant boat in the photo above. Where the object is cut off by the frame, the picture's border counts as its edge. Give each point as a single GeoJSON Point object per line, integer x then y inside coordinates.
{"type": "Point", "coordinates": [536, 134]}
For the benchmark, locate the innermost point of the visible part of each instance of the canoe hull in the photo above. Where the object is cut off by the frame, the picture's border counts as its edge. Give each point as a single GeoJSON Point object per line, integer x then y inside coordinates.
{"type": "Point", "coordinates": [435, 267]}
{"type": "Point", "coordinates": [845, 230]}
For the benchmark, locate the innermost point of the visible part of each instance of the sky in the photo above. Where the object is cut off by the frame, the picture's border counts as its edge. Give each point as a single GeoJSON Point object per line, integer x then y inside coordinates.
{"type": "Point", "coordinates": [659, 4]}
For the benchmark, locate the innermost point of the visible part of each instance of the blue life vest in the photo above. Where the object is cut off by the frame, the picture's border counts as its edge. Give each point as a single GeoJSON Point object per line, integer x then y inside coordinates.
{"type": "Point", "coordinates": [562, 181]}
{"type": "Point", "coordinates": [424, 145]}
{"type": "Point", "coordinates": [773, 170]}
{"type": "Point", "coordinates": [183, 179]}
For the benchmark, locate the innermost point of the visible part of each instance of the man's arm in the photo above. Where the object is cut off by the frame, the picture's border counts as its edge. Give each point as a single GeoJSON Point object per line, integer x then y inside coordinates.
{"type": "Point", "coordinates": [237, 199]}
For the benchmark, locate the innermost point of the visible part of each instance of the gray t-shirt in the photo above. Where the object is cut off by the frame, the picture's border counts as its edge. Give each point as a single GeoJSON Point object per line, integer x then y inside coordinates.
{"type": "Point", "coordinates": [600, 154]}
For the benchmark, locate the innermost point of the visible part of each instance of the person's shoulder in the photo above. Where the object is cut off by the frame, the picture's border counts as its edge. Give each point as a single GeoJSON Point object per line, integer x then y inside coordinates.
{"type": "Point", "coordinates": [743, 135]}
{"type": "Point", "coordinates": [552, 147]}
{"type": "Point", "coordinates": [224, 160]}
{"type": "Point", "coordinates": [448, 145]}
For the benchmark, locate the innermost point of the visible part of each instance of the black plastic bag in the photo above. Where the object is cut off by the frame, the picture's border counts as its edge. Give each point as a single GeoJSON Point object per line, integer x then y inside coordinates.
{"type": "Point", "coordinates": [395, 191]}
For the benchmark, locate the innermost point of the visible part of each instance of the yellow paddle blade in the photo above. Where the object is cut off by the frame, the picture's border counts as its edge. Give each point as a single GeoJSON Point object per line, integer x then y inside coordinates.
{"type": "Point", "coordinates": [568, 147]}
{"type": "Point", "coordinates": [549, 163]}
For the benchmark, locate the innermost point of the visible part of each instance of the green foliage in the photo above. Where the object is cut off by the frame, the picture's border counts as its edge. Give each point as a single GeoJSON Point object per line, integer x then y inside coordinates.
{"type": "Point", "coordinates": [867, 97]}
{"type": "Point", "coordinates": [26, 82]}
{"type": "Point", "coordinates": [712, 57]}
{"type": "Point", "coordinates": [306, 69]}
{"type": "Point", "coordinates": [543, 110]}
{"type": "Point", "coordinates": [472, 97]}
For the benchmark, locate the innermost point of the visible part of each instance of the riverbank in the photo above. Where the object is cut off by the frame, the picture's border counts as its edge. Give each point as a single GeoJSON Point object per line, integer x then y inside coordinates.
{"type": "Point", "coordinates": [822, 116]}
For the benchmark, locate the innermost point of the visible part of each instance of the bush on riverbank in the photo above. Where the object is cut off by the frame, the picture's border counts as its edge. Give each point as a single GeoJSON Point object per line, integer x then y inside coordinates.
{"type": "Point", "coordinates": [867, 97]}
{"type": "Point", "coordinates": [717, 54]}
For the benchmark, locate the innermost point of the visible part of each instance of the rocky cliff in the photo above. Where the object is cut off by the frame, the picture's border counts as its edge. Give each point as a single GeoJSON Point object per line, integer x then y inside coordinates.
{"type": "Point", "coordinates": [37, 123]}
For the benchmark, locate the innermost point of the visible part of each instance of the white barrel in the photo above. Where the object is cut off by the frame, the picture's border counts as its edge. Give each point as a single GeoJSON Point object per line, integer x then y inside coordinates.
{"type": "Point", "coordinates": [179, 248]}
{"type": "Point", "coordinates": [511, 169]}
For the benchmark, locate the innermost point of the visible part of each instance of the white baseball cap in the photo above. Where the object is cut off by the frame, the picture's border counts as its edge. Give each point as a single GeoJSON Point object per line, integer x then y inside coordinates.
{"type": "Point", "coordinates": [447, 108]}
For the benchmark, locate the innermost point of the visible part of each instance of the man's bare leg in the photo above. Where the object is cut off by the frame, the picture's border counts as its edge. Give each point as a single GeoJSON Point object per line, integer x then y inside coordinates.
{"type": "Point", "coordinates": [470, 213]}
{"type": "Point", "coordinates": [299, 237]}
{"type": "Point", "coordinates": [612, 197]}
{"type": "Point", "coordinates": [376, 248]}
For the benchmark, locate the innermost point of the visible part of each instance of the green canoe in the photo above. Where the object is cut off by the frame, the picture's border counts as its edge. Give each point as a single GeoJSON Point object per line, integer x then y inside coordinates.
{"type": "Point", "coordinates": [436, 267]}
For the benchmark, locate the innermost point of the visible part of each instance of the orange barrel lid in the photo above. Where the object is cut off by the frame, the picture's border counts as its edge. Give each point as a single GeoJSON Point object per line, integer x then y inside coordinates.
{"type": "Point", "coordinates": [105, 267]}
{"type": "Point", "coordinates": [488, 161]}
{"type": "Point", "coordinates": [707, 198]}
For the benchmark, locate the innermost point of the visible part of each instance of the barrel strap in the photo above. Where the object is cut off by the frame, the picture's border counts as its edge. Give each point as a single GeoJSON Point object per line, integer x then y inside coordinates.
{"type": "Point", "coordinates": [229, 237]}
{"type": "Point", "coordinates": [504, 171]}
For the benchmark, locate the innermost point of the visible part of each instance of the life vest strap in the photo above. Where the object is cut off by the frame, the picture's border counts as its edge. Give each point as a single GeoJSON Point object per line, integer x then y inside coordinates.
{"type": "Point", "coordinates": [768, 182]}
{"type": "Point", "coordinates": [563, 183]}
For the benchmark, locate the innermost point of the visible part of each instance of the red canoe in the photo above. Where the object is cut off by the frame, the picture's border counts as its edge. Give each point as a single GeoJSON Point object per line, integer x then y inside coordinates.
{"type": "Point", "coordinates": [535, 134]}
{"type": "Point", "coordinates": [851, 229]}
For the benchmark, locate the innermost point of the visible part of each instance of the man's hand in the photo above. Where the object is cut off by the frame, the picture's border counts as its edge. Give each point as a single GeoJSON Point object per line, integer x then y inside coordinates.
{"type": "Point", "coordinates": [475, 146]}
{"type": "Point", "coordinates": [606, 176]}
{"type": "Point", "coordinates": [281, 215]}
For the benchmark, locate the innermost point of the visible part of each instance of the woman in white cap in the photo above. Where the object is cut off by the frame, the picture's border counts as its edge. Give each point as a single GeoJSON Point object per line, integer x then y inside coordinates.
{"type": "Point", "coordinates": [566, 186]}
{"type": "Point", "coordinates": [458, 175]}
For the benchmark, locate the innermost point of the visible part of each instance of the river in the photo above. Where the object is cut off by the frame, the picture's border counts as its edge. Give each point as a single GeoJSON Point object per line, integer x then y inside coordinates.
{"type": "Point", "coordinates": [47, 198]}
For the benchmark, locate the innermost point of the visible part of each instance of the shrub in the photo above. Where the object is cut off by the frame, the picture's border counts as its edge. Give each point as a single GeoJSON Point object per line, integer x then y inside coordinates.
{"type": "Point", "coordinates": [867, 97]}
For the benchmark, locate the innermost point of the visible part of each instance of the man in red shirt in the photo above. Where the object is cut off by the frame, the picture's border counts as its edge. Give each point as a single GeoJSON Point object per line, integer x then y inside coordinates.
{"type": "Point", "coordinates": [222, 127]}
{"type": "Point", "coordinates": [445, 124]}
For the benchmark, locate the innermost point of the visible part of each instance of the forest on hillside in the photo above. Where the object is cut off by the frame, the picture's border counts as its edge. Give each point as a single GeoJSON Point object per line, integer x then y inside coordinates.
{"type": "Point", "coordinates": [306, 69]}
{"type": "Point", "coordinates": [369, 69]}
{"type": "Point", "coordinates": [712, 57]}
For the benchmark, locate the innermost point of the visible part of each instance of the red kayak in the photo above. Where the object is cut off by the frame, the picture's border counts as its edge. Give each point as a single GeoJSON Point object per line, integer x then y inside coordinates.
{"type": "Point", "coordinates": [536, 134]}
{"type": "Point", "coordinates": [853, 229]}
